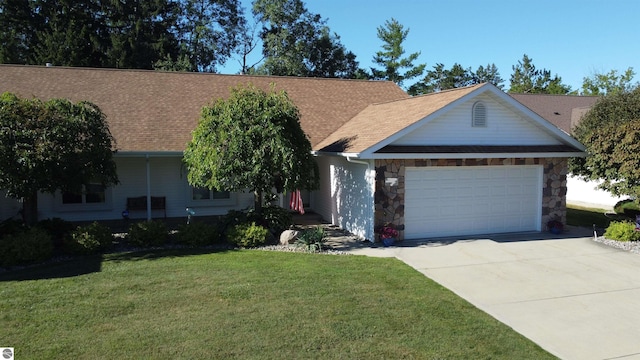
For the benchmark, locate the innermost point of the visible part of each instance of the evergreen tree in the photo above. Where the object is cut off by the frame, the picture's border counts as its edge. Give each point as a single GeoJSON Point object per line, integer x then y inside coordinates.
{"type": "Point", "coordinates": [526, 79]}
{"type": "Point", "coordinates": [390, 57]}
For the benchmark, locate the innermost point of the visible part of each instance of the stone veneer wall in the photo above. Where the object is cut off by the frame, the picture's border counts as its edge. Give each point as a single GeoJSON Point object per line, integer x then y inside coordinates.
{"type": "Point", "coordinates": [389, 200]}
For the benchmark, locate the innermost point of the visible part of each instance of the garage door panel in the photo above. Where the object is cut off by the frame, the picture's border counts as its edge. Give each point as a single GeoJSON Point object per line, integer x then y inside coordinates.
{"type": "Point", "coordinates": [472, 200]}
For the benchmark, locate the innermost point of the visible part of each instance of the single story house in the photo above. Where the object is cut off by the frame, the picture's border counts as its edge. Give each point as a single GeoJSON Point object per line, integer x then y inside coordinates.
{"type": "Point", "coordinates": [566, 111]}
{"type": "Point", "coordinates": [467, 161]}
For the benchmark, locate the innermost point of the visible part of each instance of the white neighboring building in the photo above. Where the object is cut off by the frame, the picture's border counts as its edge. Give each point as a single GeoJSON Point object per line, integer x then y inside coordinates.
{"type": "Point", "coordinates": [585, 193]}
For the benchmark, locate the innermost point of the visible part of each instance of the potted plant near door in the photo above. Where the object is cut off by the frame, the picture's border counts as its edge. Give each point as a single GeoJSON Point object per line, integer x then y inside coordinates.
{"type": "Point", "coordinates": [388, 234]}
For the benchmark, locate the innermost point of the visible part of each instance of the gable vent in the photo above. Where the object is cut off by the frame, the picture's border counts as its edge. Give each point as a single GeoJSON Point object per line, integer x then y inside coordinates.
{"type": "Point", "coordinates": [479, 115]}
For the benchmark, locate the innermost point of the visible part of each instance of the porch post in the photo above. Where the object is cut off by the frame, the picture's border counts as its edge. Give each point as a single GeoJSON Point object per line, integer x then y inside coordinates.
{"type": "Point", "coordinates": [148, 188]}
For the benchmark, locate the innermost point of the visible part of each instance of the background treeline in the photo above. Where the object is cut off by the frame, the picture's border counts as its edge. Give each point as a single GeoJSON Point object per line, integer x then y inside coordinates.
{"type": "Point", "coordinates": [281, 37]}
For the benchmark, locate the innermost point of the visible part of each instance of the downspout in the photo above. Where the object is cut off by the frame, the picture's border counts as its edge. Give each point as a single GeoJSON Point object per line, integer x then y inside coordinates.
{"type": "Point", "coordinates": [148, 166]}
{"type": "Point", "coordinates": [372, 205]}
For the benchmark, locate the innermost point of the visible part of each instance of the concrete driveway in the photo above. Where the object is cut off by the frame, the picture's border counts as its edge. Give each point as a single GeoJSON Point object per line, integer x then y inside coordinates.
{"type": "Point", "coordinates": [576, 298]}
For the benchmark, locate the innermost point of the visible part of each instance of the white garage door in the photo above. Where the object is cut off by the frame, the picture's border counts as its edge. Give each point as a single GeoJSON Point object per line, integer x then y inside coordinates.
{"type": "Point", "coordinates": [451, 201]}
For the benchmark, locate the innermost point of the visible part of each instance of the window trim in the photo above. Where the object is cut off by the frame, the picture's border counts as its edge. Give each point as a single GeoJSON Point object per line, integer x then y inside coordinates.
{"type": "Point", "coordinates": [475, 109]}
{"type": "Point", "coordinates": [208, 202]}
{"type": "Point", "coordinates": [85, 206]}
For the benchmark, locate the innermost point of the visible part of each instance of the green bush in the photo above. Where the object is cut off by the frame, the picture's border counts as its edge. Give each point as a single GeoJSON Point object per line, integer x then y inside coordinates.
{"type": "Point", "coordinates": [30, 245]}
{"type": "Point", "coordinates": [58, 228]}
{"type": "Point", "coordinates": [148, 233]}
{"type": "Point", "coordinates": [230, 220]}
{"type": "Point", "coordinates": [198, 234]}
{"type": "Point", "coordinates": [10, 227]}
{"type": "Point", "coordinates": [247, 235]}
{"type": "Point", "coordinates": [274, 218]}
{"type": "Point", "coordinates": [89, 239]}
{"type": "Point", "coordinates": [312, 239]}
{"type": "Point", "coordinates": [622, 231]}
{"type": "Point", "coordinates": [627, 207]}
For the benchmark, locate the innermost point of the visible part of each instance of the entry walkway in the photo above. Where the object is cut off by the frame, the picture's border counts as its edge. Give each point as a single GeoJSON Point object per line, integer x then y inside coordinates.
{"type": "Point", "coordinates": [576, 298]}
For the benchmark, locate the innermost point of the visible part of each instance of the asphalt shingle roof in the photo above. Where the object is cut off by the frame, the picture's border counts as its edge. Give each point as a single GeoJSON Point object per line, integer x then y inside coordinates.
{"type": "Point", "coordinates": [559, 110]}
{"type": "Point", "coordinates": [156, 111]}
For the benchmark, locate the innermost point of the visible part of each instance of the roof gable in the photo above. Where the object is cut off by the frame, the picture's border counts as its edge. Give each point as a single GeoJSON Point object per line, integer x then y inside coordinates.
{"type": "Point", "coordinates": [157, 111]}
{"type": "Point", "coordinates": [378, 122]}
{"type": "Point", "coordinates": [407, 122]}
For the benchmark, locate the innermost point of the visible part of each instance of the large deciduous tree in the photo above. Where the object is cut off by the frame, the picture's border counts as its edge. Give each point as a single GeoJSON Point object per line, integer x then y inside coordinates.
{"type": "Point", "coordinates": [297, 42]}
{"type": "Point", "coordinates": [251, 141]}
{"type": "Point", "coordinates": [391, 59]}
{"type": "Point", "coordinates": [526, 79]}
{"type": "Point", "coordinates": [611, 133]}
{"type": "Point", "coordinates": [50, 146]}
{"type": "Point", "coordinates": [609, 83]}
{"type": "Point", "coordinates": [209, 31]}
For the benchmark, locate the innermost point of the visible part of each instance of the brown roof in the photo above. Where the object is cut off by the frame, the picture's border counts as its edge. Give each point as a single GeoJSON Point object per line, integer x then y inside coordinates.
{"type": "Point", "coordinates": [389, 118]}
{"type": "Point", "coordinates": [156, 111]}
{"type": "Point", "coordinates": [564, 111]}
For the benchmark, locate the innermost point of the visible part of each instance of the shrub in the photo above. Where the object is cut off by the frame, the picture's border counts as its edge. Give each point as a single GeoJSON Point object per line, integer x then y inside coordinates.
{"type": "Point", "coordinates": [29, 245]}
{"type": "Point", "coordinates": [247, 235]}
{"type": "Point", "coordinates": [230, 220]}
{"type": "Point", "coordinates": [628, 207]}
{"type": "Point", "coordinates": [89, 239]}
{"type": "Point", "coordinates": [274, 218]}
{"type": "Point", "coordinates": [148, 233]}
{"type": "Point", "coordinates": [312, 239]}
{"type": "Point", "coordinates": [198, 234]}
{"type": "Point", "coordinates": [58, 228]}
{"type": "Point", "coordinates": [10, 227]}
{"type": "Point", "coordinates": [622, 231]}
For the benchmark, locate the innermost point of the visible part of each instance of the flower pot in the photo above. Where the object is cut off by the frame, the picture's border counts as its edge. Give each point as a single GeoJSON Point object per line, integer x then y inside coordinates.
{"type": "Point", "coordinates": [388, 241]}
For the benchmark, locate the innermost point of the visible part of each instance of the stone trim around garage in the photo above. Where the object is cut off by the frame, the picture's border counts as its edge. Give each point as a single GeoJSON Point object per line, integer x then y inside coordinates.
{"type": "Point", "coordinates": [389, 199]}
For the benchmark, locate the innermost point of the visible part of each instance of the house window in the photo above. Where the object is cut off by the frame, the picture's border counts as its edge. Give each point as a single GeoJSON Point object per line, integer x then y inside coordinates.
{"type": "Point", "coordinates": [479, 115]}
{"type": "Point", "coordinates": [202, 193]}
{"type": "Point", "coordinates": [90, 194]}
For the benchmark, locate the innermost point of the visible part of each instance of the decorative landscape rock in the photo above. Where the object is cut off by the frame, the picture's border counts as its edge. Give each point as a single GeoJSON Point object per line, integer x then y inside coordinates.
{"type": "Point", "coordinates": [288, 237]}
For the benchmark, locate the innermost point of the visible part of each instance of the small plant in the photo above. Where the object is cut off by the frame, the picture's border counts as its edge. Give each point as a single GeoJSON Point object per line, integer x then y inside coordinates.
{"type": "Point", "coordinates": [622, 231]}
{"type": "Point", "coordinates": [89, 239]}
{"type": "Point", "coordinates": [312, 239]}
{"type": "Point", "coordinates": [148, 233]}
{"type": "Point", "coordinates": [30, 245]}
{"type": "Point", "coordinates": [387, 231]}
{"type": "Point", "coordinates": [197, 234]}
{"type": "Point", "coordinates": [247, 235]}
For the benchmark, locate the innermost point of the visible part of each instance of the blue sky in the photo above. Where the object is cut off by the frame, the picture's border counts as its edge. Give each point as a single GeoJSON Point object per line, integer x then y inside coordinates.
{"type": "Point", "coordinates": [569, 37]}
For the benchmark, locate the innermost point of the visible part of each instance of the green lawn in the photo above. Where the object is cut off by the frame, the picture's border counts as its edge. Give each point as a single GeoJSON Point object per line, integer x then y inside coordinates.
{"type": "Point", "coordinates": [185, 304]}
{"type": "Point", "coordinates": [586, 217]}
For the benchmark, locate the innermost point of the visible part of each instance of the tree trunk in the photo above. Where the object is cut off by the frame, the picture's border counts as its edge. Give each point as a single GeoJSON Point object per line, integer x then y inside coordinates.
{"type": "Point", "coordinates": [30, 209]}
{"type": "Point", "coordinates": [257, 201]}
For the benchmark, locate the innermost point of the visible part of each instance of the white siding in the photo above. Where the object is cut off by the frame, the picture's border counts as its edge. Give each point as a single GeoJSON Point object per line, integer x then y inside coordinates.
{"type": "Point", "coordinates": [345, 197]}
{"type": "Point", "coordinates": [9, 207]}
{"type": "Point", "coordinates": [168, 179]}
{"type": "Point", "coordinates": [504, 127]}
{"type": "Point", "coordinates": [584, 193]}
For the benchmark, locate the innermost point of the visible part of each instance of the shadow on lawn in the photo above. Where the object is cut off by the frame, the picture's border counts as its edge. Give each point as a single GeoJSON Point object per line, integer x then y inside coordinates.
{"type": "Point", "coordinates": [60, 268]}
{"type": "Point", "coordinates": [71, 267]}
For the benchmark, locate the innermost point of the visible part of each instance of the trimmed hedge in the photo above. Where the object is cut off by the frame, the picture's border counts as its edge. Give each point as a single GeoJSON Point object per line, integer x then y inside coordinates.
{"type": "Point", "coordinates": [23, 247]}
{"type": "Point", "coordinates": [89, 239]}
{"type": "Point", "coordinates": [148, 233]}
{"type": "Point", "coordinates": [247, 235]}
